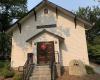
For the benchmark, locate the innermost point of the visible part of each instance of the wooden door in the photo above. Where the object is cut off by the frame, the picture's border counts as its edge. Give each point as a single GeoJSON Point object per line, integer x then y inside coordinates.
{"type": "Point", "coordinates": [45, 52]}
{"type": "Point", "coordinates": [30, 57]}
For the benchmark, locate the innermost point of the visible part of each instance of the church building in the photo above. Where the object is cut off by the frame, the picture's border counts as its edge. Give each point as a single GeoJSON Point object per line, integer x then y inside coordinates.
{"type": "Point", "coordinates": [49, 32]}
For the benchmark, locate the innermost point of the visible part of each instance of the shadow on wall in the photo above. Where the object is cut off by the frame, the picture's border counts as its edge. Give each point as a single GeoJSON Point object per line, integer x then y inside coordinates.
{"type": "Point", "coordinates": [63, 46]}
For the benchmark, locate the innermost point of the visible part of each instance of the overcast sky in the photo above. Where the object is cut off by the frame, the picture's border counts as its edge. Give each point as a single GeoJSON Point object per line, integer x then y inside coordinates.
{"type": "Point", "coordinates": [71, 5]}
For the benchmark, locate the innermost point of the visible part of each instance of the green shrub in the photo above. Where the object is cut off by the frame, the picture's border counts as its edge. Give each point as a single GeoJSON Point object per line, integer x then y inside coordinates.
{"type": "Point", "coordinates": [89, 69]}
{"type": "Point", "coordinates": [7, 65]}
{"type": "Point", "coordinates": [2, 64]}
{"type": "Point", "coordinates": [18, 76]}
{"type": "Point", "coordinates": [7, 73]}
{"type": "Point", "coordinates": [5, 69]}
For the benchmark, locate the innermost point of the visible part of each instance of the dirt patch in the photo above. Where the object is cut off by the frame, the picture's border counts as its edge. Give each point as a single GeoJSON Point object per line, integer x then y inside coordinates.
{"type": "Point", "coordinates": [1, 78]}
{"type": "Point", "coordinates": [9, 79]}
{"type": "Point", "coordinates": [66, 76]}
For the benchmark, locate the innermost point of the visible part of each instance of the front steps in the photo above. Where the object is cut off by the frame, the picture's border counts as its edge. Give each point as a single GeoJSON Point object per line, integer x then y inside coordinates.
{"type": "Point", "coordinates": [41, 73]}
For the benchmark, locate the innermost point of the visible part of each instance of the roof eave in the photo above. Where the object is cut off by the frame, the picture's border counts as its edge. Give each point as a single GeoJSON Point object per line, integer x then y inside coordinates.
{"type": "Point", "coordinates": [44, 31]}
{"type": "Point", "coordinates": [19, 21]}
{"type": "Point", "coordinates": [88, 25]}
{"type": "Point", "coordinates": [85, 22]}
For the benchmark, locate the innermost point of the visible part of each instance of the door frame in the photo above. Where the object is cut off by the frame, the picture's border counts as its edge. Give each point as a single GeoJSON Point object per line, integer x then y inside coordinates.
{"type": "Point", "coordinates": [46, 42]}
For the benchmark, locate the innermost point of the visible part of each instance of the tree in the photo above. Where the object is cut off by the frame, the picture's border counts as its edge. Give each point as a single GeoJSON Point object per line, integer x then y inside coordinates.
{"type": "Point", "coordinates": [9, 10]}
{"type": "Point", "coordinates": [93, 35]}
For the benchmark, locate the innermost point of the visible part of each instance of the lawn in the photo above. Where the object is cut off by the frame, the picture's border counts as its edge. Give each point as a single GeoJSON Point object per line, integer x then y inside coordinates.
{"type": "Point", "coordinates": [7, 73]}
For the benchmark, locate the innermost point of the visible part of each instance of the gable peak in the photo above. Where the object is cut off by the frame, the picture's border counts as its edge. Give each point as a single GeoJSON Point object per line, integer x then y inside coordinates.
{"type": "Point", "coordinates": [45, 0]}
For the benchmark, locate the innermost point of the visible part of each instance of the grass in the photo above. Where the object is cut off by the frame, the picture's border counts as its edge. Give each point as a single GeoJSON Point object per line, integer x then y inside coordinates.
{"type": "Point", "coordinates": [5, 70]}
{"type": "Point", "coordinates": [17, 76]}
{"type": "Point", "coordinates": [89, 70]}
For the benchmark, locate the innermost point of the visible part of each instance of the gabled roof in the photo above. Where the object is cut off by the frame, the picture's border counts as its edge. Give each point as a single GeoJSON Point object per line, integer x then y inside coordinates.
{"type": "Point", "coordinates": [45, 31]}
{"type": "Point", "coordinates": [69, 13]}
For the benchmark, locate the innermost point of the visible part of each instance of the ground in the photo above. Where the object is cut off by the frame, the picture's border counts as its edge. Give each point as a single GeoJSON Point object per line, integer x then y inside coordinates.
{"type": "Point", "coordinates": [96, 67]}
{"type": "Point", "coordinates": [66, 76]}
{"type": "Point", "coordinates": [6, 73]}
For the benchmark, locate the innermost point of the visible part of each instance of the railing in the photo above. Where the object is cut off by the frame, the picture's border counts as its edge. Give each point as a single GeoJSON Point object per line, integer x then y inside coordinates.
{"type": "Point", "coordinates": [28, 69]}
{"type": "Point", "coordinates": [53, 71]}
{"type": "Point", "coordinates": [55, 67]}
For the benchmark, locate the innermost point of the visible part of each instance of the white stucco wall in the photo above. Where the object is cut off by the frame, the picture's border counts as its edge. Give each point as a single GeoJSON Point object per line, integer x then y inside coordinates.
{"type": "Point", "coordinates": [73, 47]}
{"type": "Point", "coordinates": [29, 26]}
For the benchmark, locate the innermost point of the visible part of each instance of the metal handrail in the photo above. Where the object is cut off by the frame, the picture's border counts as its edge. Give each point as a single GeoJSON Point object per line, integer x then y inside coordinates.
{"type": "Point", "coordinates": [27, 69]}
{"type": "Point", "coordinates": [53, 68]}
{"type": "Point", "coordinates": [53, 71]}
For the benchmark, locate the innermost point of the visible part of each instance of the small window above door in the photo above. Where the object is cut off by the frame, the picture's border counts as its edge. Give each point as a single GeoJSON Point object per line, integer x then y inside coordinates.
{"type": "Point", "coordinates": [46, 11]}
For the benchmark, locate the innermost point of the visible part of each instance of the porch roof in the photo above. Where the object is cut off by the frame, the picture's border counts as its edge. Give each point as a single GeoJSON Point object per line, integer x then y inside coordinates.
{"type": "Point", "coordinates": [45, 31]}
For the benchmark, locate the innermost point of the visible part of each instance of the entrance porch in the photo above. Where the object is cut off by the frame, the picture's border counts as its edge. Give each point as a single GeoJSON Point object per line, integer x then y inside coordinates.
{"type": "Point", "coordinates": [45, 47]}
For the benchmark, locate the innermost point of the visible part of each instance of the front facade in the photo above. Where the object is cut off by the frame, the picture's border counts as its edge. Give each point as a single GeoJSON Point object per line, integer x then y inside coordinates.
{"type": "Point", "coordinates": [45, 32]}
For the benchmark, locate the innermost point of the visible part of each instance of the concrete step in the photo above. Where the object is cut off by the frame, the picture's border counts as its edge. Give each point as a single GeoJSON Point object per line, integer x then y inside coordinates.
{"type": "Point", "coordinates": [41, 73]}
{"type": "Point", "coordinates": [41, 69]}
{"type": "Point", "coordinates": [40, 78]}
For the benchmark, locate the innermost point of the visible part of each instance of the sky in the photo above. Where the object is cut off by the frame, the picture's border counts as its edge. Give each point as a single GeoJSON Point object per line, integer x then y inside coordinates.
{"type": "Point", "coordinates": [71, 5]}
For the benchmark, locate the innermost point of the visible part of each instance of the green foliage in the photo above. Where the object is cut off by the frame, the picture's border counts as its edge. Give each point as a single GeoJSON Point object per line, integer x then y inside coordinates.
{"type": "Point", "coordinates": [2, 64]}
{"type": "Point", "coordinates": [5, 69]}
{"type": "Point", "coordinates": [13, 2]}
{"type": "Point", "coordinates": [5, 46]}
{"type": "Point", "coordinates": [7, 73]}
{"type": "Point", "coordinates": [93, 35]}
{"type": "Point", "coordinates": [9, 10]}
{"type": "Point", "coordinates": [89, 70]}
{"type": "Point", "coordinates": [18, 76]}
{"type": "Point", "coordinates": [94, 53]}
{"type": "Point", "coordinates": [97, 40]}
{"type": "Point", "coordinates": [15, 8]}
{"type": "Point", "coordinates": [92, 15]}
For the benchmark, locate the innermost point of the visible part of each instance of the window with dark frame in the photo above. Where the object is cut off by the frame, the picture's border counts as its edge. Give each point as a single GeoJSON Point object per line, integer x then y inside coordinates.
{"type": "Point", "coordinates": [46, 11]}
